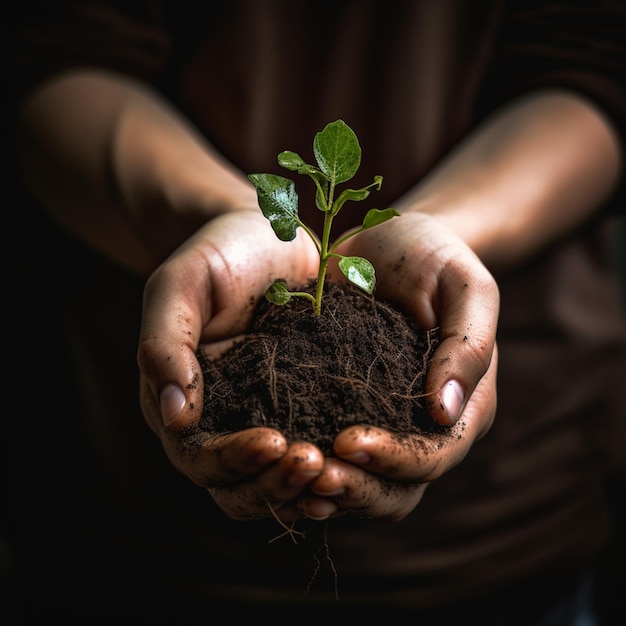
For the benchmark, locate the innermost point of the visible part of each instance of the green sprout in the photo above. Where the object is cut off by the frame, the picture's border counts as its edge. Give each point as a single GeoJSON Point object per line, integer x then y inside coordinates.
{"type": "Point", "coordinates": [338, 155]}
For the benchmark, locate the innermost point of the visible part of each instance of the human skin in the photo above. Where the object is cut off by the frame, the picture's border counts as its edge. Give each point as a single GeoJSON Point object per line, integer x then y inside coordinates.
{"type": "Point", "coordinates": [156, 198]}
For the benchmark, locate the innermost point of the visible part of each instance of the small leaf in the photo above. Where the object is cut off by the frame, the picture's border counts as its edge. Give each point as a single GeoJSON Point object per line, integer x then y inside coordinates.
{"type": "Point", "coordinates": [356, 194]}
{"type": "Point", "coordinates": [278, 293]}
{"type": "Point", "coordinates": [358, 271]}
{"type": "Point", "coordinates": [290, 160]}
{"type": "Point", "coordinates": [337, 151]}
{"type": "Point", "coordinates": [294, 162]}
{"type": "Point", "coordinates": [349, 194]}
{"type": "Point", "coordinates": [279, 202]}
{"type": "Point", "coordinates": [321, 195]}
{"type": "Point", "coordinates": [378, 216]}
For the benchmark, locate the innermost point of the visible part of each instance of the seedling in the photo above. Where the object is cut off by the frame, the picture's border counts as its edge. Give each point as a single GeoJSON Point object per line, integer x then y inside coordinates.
{"type": "Point", "coordinates": [338, 155]}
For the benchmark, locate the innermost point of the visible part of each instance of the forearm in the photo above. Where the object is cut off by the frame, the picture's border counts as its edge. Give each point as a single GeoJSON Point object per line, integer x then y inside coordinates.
{"type": "Point", "coordinates": [120, 169]}
{"type": "Point", "coordinates": [530, 174]}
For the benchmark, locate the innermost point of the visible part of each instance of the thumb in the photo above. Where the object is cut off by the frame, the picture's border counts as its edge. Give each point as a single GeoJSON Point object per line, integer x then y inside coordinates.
{"type": "Point", "coordinates": [467, 350]}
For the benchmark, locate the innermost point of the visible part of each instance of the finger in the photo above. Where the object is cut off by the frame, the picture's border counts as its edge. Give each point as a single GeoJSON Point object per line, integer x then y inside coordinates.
{"type": "Point", "coordinates": [169, 334]}
{"type": "Point", "coordinates": [467, 329]}
{"type": "Point", "coordinates": [359, 492]}
{"type": "Point", "coordinates": [271, 491]}
{"type": "Point", "coordinates": [292, 473]}
{"type": "Point", "coordinates": [415, 457]}
{"type": "Point", "coordinates": [211, 460]}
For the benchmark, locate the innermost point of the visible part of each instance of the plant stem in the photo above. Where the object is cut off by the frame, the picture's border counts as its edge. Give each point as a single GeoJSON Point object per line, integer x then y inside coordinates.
{"type": "Point", "coordinates": [319, 289]}
{"type": "Point", "coordinates": [324, 256]}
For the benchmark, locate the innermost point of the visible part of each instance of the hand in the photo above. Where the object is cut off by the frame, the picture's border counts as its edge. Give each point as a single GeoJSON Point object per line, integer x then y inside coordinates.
{"type": "Point", "coordinates": [377, 475]}
{"type": "Point", "coordinates": [431, 272]}
{"type": "Point", "coordinates": [205, 292]}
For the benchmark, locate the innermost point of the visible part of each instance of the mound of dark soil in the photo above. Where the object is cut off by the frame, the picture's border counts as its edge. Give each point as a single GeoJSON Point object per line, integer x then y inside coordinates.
{"type": "Point", "coordinates": [361, 361]}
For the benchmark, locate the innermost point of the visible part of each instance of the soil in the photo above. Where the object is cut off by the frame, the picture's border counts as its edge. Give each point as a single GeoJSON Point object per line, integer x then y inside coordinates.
{"type": "Point", "coordinates": [362, 361]}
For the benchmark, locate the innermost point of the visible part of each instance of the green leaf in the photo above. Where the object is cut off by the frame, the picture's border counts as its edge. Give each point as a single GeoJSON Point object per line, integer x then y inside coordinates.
{"type": "Point", "coordinates": [337, 151]}
{"type": "Point", "coordinates": [294, 162]}
{"type": "Point", "coordinates": [378, 216]}
{"type": "Point", "coordinates": [290, 160]}
{"type": "Point", "coordinates": [321, 198]}
{"type": "Point", "coordinates": [278, 293]}
{"type": "Point", "coordinates": [349, 194]}
{"type": "Point", "coordinates": [279, 202]}
{"type": "Point", "coordinates": [358, 271]}
{"type": "Point", "coordinates": [356, 194]}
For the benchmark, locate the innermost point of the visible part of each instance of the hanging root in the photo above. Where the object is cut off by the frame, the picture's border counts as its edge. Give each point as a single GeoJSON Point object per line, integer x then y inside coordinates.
{"type": "Point", "coordinates": [289, 530]}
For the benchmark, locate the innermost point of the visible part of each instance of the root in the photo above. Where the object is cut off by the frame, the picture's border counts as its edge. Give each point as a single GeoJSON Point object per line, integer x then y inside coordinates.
{"type": "Point", "coordinates": [367, 387]}
{"type": "Point", "coordinates": [289, 530]}
{"type": "Point", "coordinates": [270, 367]}
{"type": "Point", "coordinates": [326, 549]}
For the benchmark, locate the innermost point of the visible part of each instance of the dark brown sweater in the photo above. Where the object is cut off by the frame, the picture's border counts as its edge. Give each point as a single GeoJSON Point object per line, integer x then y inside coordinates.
{"type": "Point", "coordinates": [88, 483]}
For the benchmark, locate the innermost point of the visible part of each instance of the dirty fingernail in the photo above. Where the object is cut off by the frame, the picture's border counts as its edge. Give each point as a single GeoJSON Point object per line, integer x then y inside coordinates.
{"type": "Point", "coordinates": [172, 401]}
{"type": "Point", "coordinates": [451, 397]}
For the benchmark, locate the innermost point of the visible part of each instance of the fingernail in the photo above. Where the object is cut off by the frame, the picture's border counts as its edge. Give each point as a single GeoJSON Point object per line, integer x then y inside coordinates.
{"type": "Point", "coordinates": [451, 397]}
{"type": "Point", "coordinates": [172, 401]}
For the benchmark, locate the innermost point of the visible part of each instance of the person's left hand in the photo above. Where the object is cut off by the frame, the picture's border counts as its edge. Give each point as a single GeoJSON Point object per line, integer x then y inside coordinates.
{"type": "Point", "coordinates": [377, 474]}
{"type": "Point", "coordinates": [422, 265]}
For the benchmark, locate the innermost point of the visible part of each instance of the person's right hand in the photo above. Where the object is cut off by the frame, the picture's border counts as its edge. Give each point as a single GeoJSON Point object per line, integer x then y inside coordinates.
{"type": "Point", "coordinates": [202, 295]}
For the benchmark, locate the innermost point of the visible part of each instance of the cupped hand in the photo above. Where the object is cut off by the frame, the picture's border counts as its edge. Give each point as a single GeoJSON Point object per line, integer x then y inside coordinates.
{"type": "Point", "coordinates": [206, 292]}
{"type": "Point", "coordinates": [253, 473]}
{"type": "Point", "coordinates": [429, 271]}
{"type": "Point", "coordinates": [378, 474]}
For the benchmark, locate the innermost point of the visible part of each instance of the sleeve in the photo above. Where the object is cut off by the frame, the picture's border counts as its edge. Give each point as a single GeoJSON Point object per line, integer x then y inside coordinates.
{"type": "Point", "coordinates": [576, 45]}
{"type": "Point", "coordinates": [49, 37]}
